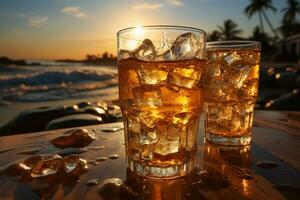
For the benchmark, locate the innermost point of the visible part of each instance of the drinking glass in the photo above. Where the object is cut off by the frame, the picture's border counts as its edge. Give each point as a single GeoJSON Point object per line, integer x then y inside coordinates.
{"type": "Point", "coordinates": [231, 86]}
{"type": "Point", "coordinates": [160, 72]}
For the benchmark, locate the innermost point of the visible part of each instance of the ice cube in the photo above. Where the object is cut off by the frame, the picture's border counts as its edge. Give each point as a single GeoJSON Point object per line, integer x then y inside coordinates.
{"type": "Point", "coordinates": [185, 46]}
{"type": "Point", "coordinates": [150, 118]}
{"type": "Point", "coordinates": [188, 72]}
{"type": "Point", "coordinates": [185, 99]}
{"type": "Point", "coordinates": [223, 116]}
{"type": "Point", "coordinates": [218, 88]}
{"type": "Point", "coordinates": [249, 89]}
{"type": "Point", "coordinates": [187, 77]}
{"type": "Point", "coordinates": [152, 76]}
{"type": "Point", "coordinates": [125, 54]}
{"type": "Point", "coordinates": [232, 58]}
{"type": "Point", "coordinates": [147, 96]}
{"type": "Point", "coordinates": [134, 127]}
{"type": "Point", "coordinates": [192, 129]}
{"type": "Point", "coordinates": [146, 152]}
{"type": "Point", "coordinates": [48, 166]}
{"type": "Point", "coordinates": [181, 81]}
{"type": "Point", "coordinates": [146, 51]}
{"type": "Point", "coordinates": [149, 136]}
{"type": "Point", "coordinates": [236, 77]}
{"type": "Point", "coordinates": [170, 141]}
{"type": "Point", "coordinates": [186, 122]}
{"type": "Point", "coordinates": [74, 165]}
{"type": "Point", "coordinates": [213, 70]}
{"type": "Point", "coordinates": [167, 55]}
{"type": "Point", "coordinates": [182, 118]}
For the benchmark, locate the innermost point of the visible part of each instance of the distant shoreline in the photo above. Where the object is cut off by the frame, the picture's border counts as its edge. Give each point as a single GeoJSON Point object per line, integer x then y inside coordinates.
{"type": "Point", "coordinates": [96, 61]}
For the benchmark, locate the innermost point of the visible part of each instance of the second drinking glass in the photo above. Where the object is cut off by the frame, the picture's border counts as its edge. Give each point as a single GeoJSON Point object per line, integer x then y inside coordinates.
{"type": "Point", "coordinates": [231, 86]}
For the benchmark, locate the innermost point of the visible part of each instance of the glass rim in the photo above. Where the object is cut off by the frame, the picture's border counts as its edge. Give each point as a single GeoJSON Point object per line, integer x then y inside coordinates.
{"type": "Point", "coordinates": [233, 44]}
{"type": "Point", "coordinates": [172, 27]}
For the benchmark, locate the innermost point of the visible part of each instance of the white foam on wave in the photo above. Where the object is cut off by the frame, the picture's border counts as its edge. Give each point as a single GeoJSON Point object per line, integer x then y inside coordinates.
{"type": "Point", "coordinates": [55, 83]}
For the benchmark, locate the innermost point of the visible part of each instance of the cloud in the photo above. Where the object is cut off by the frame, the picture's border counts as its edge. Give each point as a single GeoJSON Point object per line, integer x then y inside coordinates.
{"type": "Point", "coordinates": [36, 21]}
{"type": "Point", "coordinates": [74, 12]}
{"type": "Point", "coordinates": [147, 6]}
{"type": "Point", "coordinates": [175, 2]}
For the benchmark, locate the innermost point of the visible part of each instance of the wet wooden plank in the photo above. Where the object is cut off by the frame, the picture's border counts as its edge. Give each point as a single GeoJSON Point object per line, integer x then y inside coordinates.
{"type": "Point", "coordinates": [225, 167]}
{"type": "Point", "coordinates": [287, 121]}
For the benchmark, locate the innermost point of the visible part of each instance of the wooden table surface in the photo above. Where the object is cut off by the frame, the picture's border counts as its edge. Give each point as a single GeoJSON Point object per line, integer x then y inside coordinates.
{"type": "Point", "coordinates": [276, 137]}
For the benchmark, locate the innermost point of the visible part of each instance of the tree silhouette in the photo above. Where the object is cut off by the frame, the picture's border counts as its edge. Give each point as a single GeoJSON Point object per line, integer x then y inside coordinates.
{"type": "Point", "coordinates": [264, 38]}
{"type": "Point", "coordinates": [105, 55]}
{"type": "Point", "coordinates": [214, 36]}
{"type": "Point", "coordinates": [229, 30]}
{"type": "Point", "coordinates": [260, 7]}
{"type": "Point", "coordinates": [288, 29]}
{"type": "Point", "coordinates": [291, 11]}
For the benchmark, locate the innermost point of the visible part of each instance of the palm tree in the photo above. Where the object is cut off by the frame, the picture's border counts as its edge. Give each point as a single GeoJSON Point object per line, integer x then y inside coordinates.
{"type": "Point", "coordinates": [291, 11]}
{"type": "Point", "coordinates": [260, 7]}
{"type": "Point", "coordinates": [288, 29]}
{"type": "Point", "coordinates": [229, 31]}
{"type": "Point", "coordinates": [214, 36]}
{"type": "Point", "coordinates": [264, 38]}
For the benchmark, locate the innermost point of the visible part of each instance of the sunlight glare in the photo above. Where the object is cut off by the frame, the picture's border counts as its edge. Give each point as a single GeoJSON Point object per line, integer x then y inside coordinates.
{"type": "Point", "coordinates": [138, 31]}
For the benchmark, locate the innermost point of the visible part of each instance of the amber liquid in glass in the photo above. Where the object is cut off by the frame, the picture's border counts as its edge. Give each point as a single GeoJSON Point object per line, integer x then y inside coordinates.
{"type": "Point", "coordinates": [161, 102]}
{"type": "Point", "coordinates": [231, 86]}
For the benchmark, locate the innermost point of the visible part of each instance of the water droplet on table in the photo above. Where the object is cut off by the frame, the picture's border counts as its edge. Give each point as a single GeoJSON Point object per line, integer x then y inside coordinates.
{"type": "Point", "coordinates": [110, 188]}
{"type": "Point", "coordinates": [101, 158]}
{"type": "Point", "coordinates": [113, 156]}
{"type": "Point", "coordinates": [95, 147]}
{"type": "Point", "coordinates": [266, 164]}
{"type": "Point", "coordinates": [92, 182]}
{"type": "Point", "coordinates": [76, 138]}
{"type": "Point", "coordinates": [111, 129]}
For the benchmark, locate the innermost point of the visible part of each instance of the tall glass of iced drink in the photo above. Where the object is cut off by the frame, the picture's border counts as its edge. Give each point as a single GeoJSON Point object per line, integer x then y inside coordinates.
{"type": "Point", "coordinates": [161, 96]}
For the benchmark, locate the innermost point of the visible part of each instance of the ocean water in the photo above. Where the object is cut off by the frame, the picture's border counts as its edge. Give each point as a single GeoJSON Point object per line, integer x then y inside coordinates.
{"type": "Point", "coordinates": [54, 81]}
{"type": "Point", "coordinates": [53, 84]}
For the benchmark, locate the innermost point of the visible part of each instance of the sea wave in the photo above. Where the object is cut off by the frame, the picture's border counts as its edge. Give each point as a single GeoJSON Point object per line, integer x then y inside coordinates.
{"type": "Point", "coordinates": [56, 83]}
{"type": "Point", "coordinates": [54, 77]}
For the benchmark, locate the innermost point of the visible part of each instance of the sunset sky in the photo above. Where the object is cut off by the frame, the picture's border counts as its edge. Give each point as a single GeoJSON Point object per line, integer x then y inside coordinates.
{"type": "Point", "coordinates": [55, 29]}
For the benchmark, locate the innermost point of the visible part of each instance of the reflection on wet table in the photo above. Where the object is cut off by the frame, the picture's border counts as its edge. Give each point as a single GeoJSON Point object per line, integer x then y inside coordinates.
{"type": "Point", "coordinates": [90, 164]}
